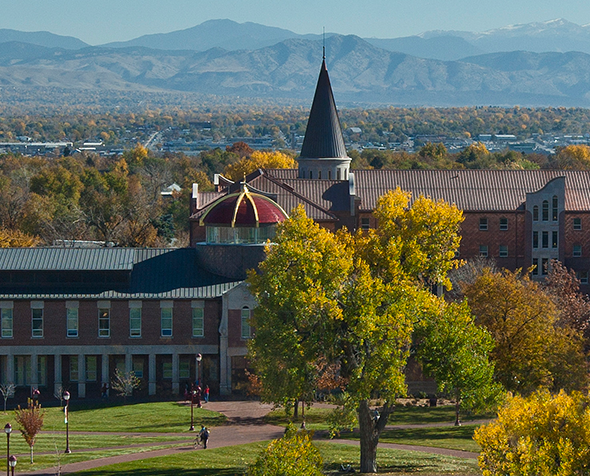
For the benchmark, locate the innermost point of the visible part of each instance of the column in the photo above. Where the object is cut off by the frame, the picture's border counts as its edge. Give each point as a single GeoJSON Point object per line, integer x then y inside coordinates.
{"type": "Point", "coordinates": [104, 372]}
{"type": "Point", "coordinates": [175, 374]}
{"type": "Point", "coordinates": [152, 374]}
{"type": "Point", "coordinates": [81, 376]}
{"type": "Point", "coordinates": [10, 369]}
{"type": "Point", "coordinates": [57, 377]}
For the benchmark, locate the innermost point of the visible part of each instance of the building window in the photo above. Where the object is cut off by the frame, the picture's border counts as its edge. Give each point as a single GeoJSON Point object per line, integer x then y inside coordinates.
{"type": "Point", "coordinates": [545, 239]}
{"type": "Point", "coordinates": [7, 323]}
{"type": "Point", "coordinates": [577, 251]}
{"type": "Point", "coordinates": [535, 239]}
{"type": "Point", "coordinates": [198, 322]}
{"type": "Point", "coordinates": [310, 174]}
{"type": "Point", "coordinates": [503, 223]}
{"type": "Point", "coordinates": [246, 331]}
{"type": "Point", "coordinates": [536, 266]}
{"type": "Point", "coordinates": [577, 223]}
{"type": "Point", "coordinates": [184, 370]}
{"type": "Point", "coordinates": [554, 208]}
{"type": "Point", "coordinates": [535, 213]}
{"type": "Point", "coordinates": [319, 174]}
{"type": "Point", "coordinates": [22, 370]}
{"type": "Point", "coordinates": [135, 322]}
{"type": "Point", "coordinates": [545, 210]}
{"type": "Point", "coordinates": [483, 224]}
{"type": "Point", "coordinates": [104, 323]}
{"type": "Point", "coordinates": [166, 321]}
{"type": "Point", "coordinates": [582, 276]}
{"type": "Point", "coordinates": [42, 370]}
{"type": "Point", "coordinates": [138, 367]}
{"type": "Point", "coordinates": [74, 374]}
{"type": "Point", "coordinates": [545, 266]}
{"type": "Point", "coordinates": [365, 223]}
{"type": "Point", "coordinates": [37, 324]}
{"type": "Point", "coordinates": [72, 322]}
{"type": "Point", "coordinates": [554, 239]}
{"type": "Point", "coordinates": [91, 368]}
{"type": "Point", "coordinates": [503, 251]}
{"type": "Point", "coordinates": [329, 175]}
{"type": "Point", "coordinates": [483, 250]}
{"type": "Point", "coordinates": [167, 369]}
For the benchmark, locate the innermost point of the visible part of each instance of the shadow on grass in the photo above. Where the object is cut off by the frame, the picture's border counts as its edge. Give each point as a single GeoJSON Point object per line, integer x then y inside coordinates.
{"type": "Point", "coordinates": [169, 472]}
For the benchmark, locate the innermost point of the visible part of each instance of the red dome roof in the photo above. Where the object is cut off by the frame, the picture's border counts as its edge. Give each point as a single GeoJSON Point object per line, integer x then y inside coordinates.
{"type": "Point", "coordinates": [244, 209]}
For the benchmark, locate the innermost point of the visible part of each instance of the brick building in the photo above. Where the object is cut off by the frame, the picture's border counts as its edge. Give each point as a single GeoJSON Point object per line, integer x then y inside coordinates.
{"type": "Point", "coordinates": [69, 317]}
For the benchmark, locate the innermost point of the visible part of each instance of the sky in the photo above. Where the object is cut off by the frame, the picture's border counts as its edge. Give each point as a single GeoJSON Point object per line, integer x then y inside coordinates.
{"type": "Point", "coordinates": [99, 22]}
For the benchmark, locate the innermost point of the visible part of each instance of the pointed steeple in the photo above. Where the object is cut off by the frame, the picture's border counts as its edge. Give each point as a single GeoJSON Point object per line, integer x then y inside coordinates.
{"type": "Point", "coordinates": [323, 137]}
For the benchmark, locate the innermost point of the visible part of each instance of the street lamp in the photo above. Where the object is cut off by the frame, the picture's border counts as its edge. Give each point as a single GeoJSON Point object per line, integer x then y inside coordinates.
{"type": "Point", "coordinates": [198, 359]}
{"type": "Point", "coordinates": [8, 431]}
{"type": "Point", "coordinates": [67, 399]}
{"type": "Point", "coordinates": [12, 463]}
{"type": "Point", "coordinates": [193, 393]}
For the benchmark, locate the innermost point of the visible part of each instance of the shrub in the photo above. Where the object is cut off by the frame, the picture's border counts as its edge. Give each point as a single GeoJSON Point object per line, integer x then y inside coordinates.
{"type": "Point", "coordinates": [292, 455]}
{"type": "Point", "coordinates": [542, 434]}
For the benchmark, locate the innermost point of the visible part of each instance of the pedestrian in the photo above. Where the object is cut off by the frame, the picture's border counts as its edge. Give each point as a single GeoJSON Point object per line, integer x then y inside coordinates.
{"type": "Point", "coordinates": [204, 435]}
{"type": "Point", "coordinates": [198, 396]}
{"type": "Point", "coordinates": [104, 390]}
{"type": "Point", "coordinates": [206, 394]}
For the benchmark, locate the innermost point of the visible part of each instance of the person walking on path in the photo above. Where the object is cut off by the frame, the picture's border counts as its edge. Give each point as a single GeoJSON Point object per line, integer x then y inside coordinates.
{"type": "Point", "coordinates": [204, 436]}
{"type": "Point", "coordinates": [206, 394]}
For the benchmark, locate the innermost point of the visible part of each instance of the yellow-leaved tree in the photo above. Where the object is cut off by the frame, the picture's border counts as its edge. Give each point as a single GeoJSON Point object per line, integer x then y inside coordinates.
{"type": "Point", "coordinates": [258, 160]}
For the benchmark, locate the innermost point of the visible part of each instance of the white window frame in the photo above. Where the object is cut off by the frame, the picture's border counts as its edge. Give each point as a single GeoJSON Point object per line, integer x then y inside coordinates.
{"type": "Point", "coordinates": [166, 321]}
{"type": "Point", "coordinates": [72, 317]}
{"type": "Point", "coordinates": [37, 308]}
{"type": "Point", "coordinates": [7, 319]}
{"type": "Point", "coordinates": [135, 319]}
{"type": "Point", "coordinates": [483, 251]}
{"type": "Point", "coordinates": [198, 318]}
{"type": "Point", "coordinates": [246, 329]}
{"type": "Point", "coordinates": [503, 251]}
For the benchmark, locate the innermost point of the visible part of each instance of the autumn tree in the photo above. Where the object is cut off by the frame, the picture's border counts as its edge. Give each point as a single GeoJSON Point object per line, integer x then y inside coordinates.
{"type": "Point", "coordinates": [351, 301]}
{"type": "Point", "coordinates": [258, 160]}
{"type": "Point", "coordinates": [573, 157]}
{"type": "Point", "coordinates": [531, 350]}
{"type": "Point", "coordinates": [123, 383]}
{"type": "Point", "coordinates": [30, 421]}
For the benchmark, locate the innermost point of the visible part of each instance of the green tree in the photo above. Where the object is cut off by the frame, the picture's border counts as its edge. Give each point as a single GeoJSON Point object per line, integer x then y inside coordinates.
{"type": "Point", "coordinates": [351, 301]}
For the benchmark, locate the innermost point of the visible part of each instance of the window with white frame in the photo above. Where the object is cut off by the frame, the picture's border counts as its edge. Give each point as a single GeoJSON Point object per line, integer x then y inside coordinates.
{"type": "Point", "coordinates": [166, 320]}
{"type": "Point", "coordinates": [104, 322]}
{"type": "Point", "coordinates": [138, 367]}
{"type": "Point", "coordinates": [577, 250]}
{"type": "Point", "coordinates": [37, 322]}
{"type": "Point", "coordinates": [365, 223]}
{"type": "Point", "coordinates": [483, 224]}
{"type": "Point", "coordinates": [503, 223]}
{"type": "Point", "coordinates": [577, 223]}
{"type": "Point", "coordinates": [503, 251]}
{"type": "Point", "coordinates": [483, 250]}
{"type": "Point", "coordinates": [72, 321]}
{"type": "Point", "coordinates": [246, 330]}
{"type": "Point", "coordinates": [198, 319]}
{"type": "Point", "coordinates": [582, 276]}
{"type": "Point", "coordinates": [167, 369]}
{"type": "Point", "coordinates": [7, 322]}
{"type": "Point", "coordinates": [134, 321]}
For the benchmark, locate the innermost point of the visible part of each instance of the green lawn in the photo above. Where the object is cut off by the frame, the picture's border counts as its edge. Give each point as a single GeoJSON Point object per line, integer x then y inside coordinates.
{"type": "Point", "coordinates": [156, 417]}
{"type": "Point", "coordinates": [233, 462]}
{"type": "Point", "coordinates": [315, 418]}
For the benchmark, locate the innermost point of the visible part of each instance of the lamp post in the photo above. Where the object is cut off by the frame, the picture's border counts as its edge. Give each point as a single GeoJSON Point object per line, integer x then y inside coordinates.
{"type": "Point", "coordinates": [8, 431]}
{"type": "Point", "coordinates": [12, 463]}
{"type": "Point", "coordinates": [67, 399]}
{"type": "Point", "coordinates": [193, 393]}
{"type": "Point", "coordinates": [198, 359]}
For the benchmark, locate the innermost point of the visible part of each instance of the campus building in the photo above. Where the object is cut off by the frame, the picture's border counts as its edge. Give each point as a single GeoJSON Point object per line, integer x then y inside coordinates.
{"type": "Point", "coordinates": [71, 316]}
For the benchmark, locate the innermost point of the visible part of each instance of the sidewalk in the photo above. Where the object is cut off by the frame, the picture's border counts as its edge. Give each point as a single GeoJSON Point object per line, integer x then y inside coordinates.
{"type": "Point", "coordinates": [245, 424]}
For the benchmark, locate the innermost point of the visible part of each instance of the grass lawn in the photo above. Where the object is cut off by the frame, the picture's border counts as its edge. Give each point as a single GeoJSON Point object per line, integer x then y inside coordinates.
{"type": "Point", "coordinates": [451, 437]}
{"type": "Point", "coordinates": [156, 417]}
{"type": "Point", "coordinates": [315, 417]}
{"type": "Point", "coordinates": [232, 461]}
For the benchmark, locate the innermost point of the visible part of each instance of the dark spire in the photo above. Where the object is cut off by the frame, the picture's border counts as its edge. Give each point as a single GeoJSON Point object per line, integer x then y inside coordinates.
{"type": "Point", "coordinates": [323, 137]}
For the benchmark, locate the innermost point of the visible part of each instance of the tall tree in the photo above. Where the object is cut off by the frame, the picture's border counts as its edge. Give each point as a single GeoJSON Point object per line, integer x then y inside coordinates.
{"type": "Point", "coordinates": [352, 301]}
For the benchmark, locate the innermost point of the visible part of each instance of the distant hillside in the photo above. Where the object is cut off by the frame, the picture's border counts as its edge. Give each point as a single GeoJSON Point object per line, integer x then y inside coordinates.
{"type": "Point", "coordinates": [42, 38]}
{"type": "Point", "coordinates": [446, 48]}
{"type": "Point", "coordinates": [360, 73]}
{"type": "Point", "coordinates": [226, 34]}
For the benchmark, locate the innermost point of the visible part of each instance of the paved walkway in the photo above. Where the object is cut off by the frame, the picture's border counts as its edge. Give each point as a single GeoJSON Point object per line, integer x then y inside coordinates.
{"type": "Point", "coordinates": [244, 425]}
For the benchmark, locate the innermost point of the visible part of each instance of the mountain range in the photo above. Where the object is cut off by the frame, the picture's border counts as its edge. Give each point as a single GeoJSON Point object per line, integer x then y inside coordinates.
{"type": "Point", "coordinates": [535, 64]}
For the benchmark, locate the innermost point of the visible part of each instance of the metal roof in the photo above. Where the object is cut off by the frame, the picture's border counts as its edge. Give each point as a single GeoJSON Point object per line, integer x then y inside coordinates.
{"type": "Point", "coordinates": [323, 137]}
{"type": "Point", "coordinates": [71, 259]}
{"type": "Point", "coordinates": [155, 273]}
{"type": "Point", "coordinates": [473, 190]}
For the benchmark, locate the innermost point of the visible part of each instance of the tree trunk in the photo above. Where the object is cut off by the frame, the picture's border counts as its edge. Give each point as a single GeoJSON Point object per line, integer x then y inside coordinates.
{"type": "Point", "coordinates": [457, 409]}
{"type": "Point", "coordinates": [302, 410]}
{"type": "Point", "coordinates": [371, 424]}
{"type": "Point", "coordinates": [296, 409]}
{"type": "Point", "coordinates": [31, 454]}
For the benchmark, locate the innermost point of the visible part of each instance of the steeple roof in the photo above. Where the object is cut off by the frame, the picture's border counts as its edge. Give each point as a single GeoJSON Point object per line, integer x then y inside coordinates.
{"type": "Point", "coordinates": [323, 137]}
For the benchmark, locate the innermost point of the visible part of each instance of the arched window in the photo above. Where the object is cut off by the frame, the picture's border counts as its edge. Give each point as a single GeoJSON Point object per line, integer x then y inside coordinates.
{"type": "Point", "coordinates": [320, 174]}
{"type": "Point", "coordinates": [329, 175]}
{"type": "Point", "coordinates": [545, 210]}
{"type": "Point", "coordinates": [310, 174]}
{"type": "Point", "coordinates": [554, 209]}
{"type": "Point", "coordinates": [246, 330]}
{"type": "Point", "coordinates": [535, 213]}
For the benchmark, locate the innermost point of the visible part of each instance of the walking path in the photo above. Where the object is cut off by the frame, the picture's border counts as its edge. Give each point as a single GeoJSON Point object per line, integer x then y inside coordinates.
{"type": "Point", "coordinates": [244, 424]}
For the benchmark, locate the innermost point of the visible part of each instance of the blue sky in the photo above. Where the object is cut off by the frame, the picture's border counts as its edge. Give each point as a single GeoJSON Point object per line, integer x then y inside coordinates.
{"type": "Point", "coordinates": [97, 22]}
